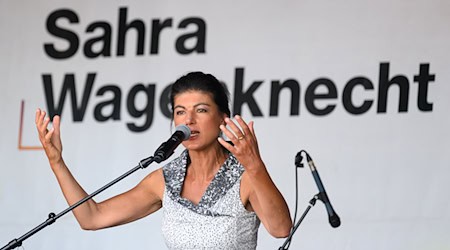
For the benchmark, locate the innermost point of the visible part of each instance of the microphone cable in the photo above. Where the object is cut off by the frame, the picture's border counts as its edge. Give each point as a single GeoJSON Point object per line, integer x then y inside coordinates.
{"type": "Point", "coordinates": [298, 164]}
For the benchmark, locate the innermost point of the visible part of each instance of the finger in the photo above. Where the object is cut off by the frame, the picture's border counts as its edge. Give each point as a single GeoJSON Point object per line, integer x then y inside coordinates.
{"type": "Point", "coordinates": [42, 127]}
{"type": "Point", "coordinates": [252, 130]}
{"type": "Point", "coordinates": [243, 125]}
{"type": "Point", "coordinates": [230, 135]}
{"type": "Point", "coordinates": [41, 120]}
{"type": "Point", "coordinates": [226, 145]}
{"type": "Point", "coordinates": [36, 117]}
{"type": "Point", "coordinates": [43, 114]}
{"type": "Point", "coordinates": [46, 122]}
{"type": "Point", "coordinates": [56, 124]}
{"type": "Point", "coordinates": [236, 130]}
{"type": "Point", "coordinates": [48, 136]}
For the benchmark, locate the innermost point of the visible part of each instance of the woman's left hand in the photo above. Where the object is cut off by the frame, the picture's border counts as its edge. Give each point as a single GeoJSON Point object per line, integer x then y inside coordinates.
{"type": "Point", "coordinates": [245, 147]}
{"type": "Point", "coordinates": [263, 196]}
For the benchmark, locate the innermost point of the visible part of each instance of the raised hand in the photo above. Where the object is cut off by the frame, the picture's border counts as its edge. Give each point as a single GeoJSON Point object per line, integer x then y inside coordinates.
{"type": "Point", "coordinates": [245, 147]}
{"type": "Point", "coordinates": [50, 138]}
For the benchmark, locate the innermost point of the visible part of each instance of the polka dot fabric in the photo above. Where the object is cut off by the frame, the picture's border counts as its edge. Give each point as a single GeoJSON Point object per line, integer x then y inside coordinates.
{"type": "Point", "coordinates": [219, 221]}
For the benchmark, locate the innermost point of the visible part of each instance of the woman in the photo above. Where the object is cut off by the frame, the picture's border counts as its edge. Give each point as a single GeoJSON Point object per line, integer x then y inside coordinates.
{"type": "Point", "coordinates": [214, 194]}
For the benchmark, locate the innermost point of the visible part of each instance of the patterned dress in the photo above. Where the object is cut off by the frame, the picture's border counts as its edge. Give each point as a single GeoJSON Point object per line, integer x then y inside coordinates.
{"type": "Point", "coordinates": [219, 221]}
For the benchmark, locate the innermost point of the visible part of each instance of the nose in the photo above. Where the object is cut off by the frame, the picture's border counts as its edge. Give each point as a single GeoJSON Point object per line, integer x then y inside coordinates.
{"type": "Point", "coordinates": [190, 118]}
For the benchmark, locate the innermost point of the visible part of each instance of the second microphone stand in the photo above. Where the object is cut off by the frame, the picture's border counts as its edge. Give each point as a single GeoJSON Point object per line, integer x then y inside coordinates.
{"type": "Point", "coordinates": [334, 220]}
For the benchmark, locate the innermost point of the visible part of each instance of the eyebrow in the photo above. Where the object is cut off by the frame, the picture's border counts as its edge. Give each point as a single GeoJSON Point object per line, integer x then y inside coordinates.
{"type": "Point", "coordinates": [196, 105]}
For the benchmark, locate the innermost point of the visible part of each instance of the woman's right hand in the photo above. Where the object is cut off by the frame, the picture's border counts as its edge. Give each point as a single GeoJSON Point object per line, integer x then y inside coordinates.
{"type": "Point", "coordinates": [50, 139]}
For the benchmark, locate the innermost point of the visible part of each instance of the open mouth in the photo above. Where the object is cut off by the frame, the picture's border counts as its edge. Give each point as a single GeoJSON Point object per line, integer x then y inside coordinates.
{"type": "Point", "coordinates": [194, 133]}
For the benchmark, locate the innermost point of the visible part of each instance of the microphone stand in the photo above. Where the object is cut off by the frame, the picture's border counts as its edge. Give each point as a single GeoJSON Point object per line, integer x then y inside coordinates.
{"type": "Point", "coordinates": [312, 202]}
{"type": "Point", "coordinates": [52, 217]}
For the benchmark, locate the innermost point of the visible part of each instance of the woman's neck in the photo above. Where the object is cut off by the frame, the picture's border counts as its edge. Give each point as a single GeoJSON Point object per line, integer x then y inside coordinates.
{"type": "Point", "coordinates": [205, 163]}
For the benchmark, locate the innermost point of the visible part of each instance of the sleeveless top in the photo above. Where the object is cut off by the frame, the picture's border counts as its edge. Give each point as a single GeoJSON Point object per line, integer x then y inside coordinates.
{"type": "Point", "coordinates": [219, 221]}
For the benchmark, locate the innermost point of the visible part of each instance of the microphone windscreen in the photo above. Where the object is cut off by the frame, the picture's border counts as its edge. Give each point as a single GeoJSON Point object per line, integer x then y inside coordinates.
{"type": "Point", "coordinates": [185, 130]}
{"type": "Point", "coordinates": [335, 221]}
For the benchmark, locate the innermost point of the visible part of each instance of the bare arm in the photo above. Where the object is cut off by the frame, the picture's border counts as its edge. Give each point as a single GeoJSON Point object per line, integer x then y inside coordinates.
{"type": "Point", "coordinates": [264, 197]}
{"type": "Point", "coordinates": [138, 202]}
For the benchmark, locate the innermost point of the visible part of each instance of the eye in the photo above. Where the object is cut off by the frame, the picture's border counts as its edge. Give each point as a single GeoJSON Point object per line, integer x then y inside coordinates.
{"type": "Point", "coordinates": [179, 112]}
{"type": "Point", "coordinates": [202, 110]}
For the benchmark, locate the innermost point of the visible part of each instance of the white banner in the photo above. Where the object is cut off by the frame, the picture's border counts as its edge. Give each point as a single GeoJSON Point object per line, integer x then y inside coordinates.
{"type": "Point", "coordinates": [362, 86]}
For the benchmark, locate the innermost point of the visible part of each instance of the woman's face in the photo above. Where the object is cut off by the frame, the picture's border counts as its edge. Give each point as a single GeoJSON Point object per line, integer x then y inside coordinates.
{"type": "Point", "coordinates": [200, 113]}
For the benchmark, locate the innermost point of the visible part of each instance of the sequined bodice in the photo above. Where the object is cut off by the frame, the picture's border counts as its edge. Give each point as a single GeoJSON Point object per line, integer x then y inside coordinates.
{"type": "Point", "coordinates": [219, 221]}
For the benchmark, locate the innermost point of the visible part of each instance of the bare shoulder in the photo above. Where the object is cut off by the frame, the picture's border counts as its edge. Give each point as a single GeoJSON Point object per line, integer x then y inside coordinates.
{"type": "Point", "coordinates": [154, 183]}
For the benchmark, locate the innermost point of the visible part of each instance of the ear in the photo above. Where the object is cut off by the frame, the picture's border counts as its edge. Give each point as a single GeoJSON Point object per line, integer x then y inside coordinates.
{"type": "Point", "coordinates": [223, 118]}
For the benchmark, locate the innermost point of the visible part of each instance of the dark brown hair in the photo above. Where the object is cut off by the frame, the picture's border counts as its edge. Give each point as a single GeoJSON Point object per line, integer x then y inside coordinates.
{"type": "Point", "coordinates": [207, 83]}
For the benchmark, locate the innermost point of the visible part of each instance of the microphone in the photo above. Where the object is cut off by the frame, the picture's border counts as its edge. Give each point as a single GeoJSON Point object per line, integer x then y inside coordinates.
{"type": "Point", "coordinates": [182, 132]}
{"type": "Point", "coordinates": [333, 218]}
